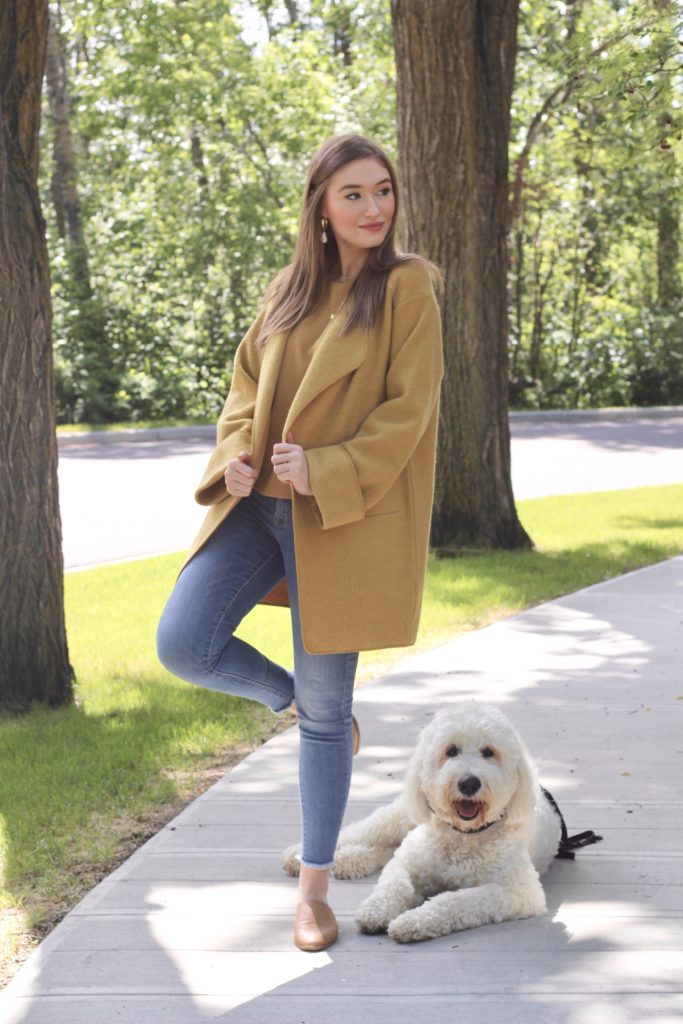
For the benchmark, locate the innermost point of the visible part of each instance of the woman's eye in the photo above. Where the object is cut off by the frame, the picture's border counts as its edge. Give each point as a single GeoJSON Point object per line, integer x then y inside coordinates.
{"type": "Point", "coordinates": [452, 751]}
{"type": "Point", "coordinates": [385, 191]}
{"type": "Point", "coordinates": [487, 752]}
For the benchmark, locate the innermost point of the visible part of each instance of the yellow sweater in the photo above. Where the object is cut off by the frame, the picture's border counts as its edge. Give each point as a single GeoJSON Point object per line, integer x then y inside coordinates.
{"type": "Point", "coordinates": [299, 349]}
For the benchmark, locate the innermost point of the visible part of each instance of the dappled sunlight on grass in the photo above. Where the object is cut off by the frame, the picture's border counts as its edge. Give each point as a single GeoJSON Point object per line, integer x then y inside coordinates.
{"type": "Point", "coordinates": [579, 540]}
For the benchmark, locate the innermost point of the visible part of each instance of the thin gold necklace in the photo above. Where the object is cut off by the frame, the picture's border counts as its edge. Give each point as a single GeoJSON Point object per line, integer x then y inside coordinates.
{"type": "Point", "coordinates": [332, 315]}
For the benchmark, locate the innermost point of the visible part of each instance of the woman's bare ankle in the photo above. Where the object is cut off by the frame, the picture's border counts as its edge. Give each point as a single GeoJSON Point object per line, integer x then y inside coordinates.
{"type": "Point", "coordinates": [313, 883]}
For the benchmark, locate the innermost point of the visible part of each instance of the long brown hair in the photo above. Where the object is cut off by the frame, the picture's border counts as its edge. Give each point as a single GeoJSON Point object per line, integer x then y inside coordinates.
{"type": "Point", "coordinates": [296, 288]}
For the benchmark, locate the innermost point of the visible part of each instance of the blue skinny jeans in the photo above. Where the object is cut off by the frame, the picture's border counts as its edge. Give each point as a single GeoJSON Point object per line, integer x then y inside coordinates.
{"type": "Point", "coordinates": [243, 559]}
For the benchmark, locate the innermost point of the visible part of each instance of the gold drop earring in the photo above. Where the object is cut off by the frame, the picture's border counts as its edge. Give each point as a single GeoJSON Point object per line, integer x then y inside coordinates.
{"type": "Point", "coordinates": [323, 237]}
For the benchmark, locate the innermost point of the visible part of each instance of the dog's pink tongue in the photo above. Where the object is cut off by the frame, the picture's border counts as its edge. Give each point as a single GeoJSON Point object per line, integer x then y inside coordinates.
{"type": "Point", "coordinates": [468, 809]}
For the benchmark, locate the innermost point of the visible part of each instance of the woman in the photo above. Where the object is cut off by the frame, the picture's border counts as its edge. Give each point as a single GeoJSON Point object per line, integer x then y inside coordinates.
{"type": "Point", "coordinates": [320, 487]}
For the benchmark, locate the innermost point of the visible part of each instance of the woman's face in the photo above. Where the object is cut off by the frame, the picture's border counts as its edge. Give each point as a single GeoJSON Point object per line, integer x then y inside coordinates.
{"type": "Point", "coordinates": [360, 193]}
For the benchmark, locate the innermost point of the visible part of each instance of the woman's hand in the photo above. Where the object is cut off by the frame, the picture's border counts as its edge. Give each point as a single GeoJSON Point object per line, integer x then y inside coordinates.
{"type": "Point", "coordinates": [290, 465]}
{"type": "Point", "coordinates": [239, 476]}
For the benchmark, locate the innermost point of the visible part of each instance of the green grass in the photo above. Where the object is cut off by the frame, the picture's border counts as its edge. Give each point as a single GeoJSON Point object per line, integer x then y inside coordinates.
{"type": "Point", "coordinates": [579, 540]}
{"type": "Point", "coordinates": [77, 428]}
{"type": "Point", "coordinates": [82, 786]}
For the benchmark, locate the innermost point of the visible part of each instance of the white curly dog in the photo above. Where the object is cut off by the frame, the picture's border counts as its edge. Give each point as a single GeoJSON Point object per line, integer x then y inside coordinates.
{"type": "Point", "coordinates": [464, 843]}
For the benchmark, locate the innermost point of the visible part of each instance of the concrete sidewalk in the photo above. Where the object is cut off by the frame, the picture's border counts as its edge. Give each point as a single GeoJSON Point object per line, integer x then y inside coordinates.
{"type": "Point", "coordinates": [197, 924]}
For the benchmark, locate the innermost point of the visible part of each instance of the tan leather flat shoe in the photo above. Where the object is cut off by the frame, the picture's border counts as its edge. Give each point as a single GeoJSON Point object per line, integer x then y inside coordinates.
{"type": "Point", "coordinates": [315, 926]}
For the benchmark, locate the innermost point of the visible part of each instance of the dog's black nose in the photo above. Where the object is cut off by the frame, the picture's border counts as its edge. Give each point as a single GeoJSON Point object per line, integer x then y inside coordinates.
{"type": "Point", "coordinates": [469, 785]}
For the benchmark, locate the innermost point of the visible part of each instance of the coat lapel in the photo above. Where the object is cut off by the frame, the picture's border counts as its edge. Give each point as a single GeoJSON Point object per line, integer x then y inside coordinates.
{"type": "Point", "coordinates": [334, 356]}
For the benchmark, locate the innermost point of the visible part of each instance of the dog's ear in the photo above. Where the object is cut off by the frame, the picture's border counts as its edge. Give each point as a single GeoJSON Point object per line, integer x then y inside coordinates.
{"type": "Point", "coordinates": [521, 808]}
{"type": "Point", "coordinates": [414, 799]}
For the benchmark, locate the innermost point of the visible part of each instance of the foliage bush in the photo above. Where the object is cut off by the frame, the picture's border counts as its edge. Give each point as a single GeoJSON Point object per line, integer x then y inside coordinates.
{"type": "Point", "coordinates": [192, 145]}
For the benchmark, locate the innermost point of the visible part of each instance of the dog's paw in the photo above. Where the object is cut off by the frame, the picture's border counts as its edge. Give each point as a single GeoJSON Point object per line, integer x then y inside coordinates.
{"type": "Point", "coordinates": [372, 917]}
{"type": "Point", "coordinates": [355, 861]}
{"type": "Point", "coordinates": [289, 862]}
{"type": "Point", "coordinates": [411, 926]}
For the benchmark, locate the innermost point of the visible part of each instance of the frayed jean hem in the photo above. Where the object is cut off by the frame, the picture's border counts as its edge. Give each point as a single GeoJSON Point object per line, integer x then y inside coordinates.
{"type": "Point", "coordinates": [319, 867]}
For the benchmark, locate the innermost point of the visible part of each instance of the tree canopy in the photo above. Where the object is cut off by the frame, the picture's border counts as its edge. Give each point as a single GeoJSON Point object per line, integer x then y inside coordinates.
{"type": "Point", "coordinates": [191, 142]}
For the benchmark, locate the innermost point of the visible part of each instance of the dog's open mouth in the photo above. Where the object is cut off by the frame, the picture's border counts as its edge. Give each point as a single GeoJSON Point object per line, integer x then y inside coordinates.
{"type": "Point", "coordinates": [468, 810]}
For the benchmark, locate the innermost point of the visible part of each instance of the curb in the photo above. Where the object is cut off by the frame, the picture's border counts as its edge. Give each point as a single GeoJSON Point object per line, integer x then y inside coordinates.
{"type": "Point", "coordinates": [651, 412]}
{"type": "Point", "coordinates": [198, 432]}
{"type": "Point", "coordinates": [202, 432]}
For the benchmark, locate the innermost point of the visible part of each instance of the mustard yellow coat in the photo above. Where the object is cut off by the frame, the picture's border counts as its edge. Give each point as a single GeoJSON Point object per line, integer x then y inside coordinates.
{"type": "Point", "coordinates": [366, 414]}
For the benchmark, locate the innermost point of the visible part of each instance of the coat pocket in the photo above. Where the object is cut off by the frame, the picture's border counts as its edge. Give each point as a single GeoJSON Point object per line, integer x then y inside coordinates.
{"type": "Point", "coordinates": [389, 505]}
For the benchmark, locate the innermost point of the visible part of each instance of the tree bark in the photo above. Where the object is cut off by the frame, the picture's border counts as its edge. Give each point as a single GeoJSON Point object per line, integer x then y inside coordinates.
{"type": "Point", "coordinates": [455, 71]}
{"type": "Point", "coordinates": [97, 380]}
{"type": "Point", "coordinates": [34, 663]}
{"type": "Point", "coordinates": [669, 284]}
{"type": "Point", "coordinates": [65, 185]}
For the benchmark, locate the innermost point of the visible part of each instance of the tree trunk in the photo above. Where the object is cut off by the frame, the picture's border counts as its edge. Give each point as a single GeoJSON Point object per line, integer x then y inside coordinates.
{"type": "Point", "coordinates": [455, 70]}
{"type": "Point", "coordinates": [97, 381]}
{"type": "Point", "coordinates": [34, 662]}
{"type": "Point", "coordinates": [65, 186]}
{"type": "Point", "coordinates": [669, 285]}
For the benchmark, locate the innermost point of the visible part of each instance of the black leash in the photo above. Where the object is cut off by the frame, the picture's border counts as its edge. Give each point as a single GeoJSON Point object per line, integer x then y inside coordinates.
{"type": "Point", "coordinates": [568, 844]}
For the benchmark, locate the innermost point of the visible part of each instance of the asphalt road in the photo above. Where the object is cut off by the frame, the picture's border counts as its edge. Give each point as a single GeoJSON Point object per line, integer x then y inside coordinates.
{"type": "Point", "coordinates": [130, 499]}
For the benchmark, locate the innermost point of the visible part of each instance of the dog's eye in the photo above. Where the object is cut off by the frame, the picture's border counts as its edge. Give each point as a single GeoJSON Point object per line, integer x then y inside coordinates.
{"type": "Point", "coordinates": [452, 751]}
{"type": "Point", "coordinates": [487, 752]}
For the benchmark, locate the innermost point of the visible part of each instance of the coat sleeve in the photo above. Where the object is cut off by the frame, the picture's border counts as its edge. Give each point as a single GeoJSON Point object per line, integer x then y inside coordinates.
{"type": "Point", "coordinates": [348, 478]}
{"type": "Point", "coordinates": [233, 430]}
